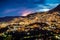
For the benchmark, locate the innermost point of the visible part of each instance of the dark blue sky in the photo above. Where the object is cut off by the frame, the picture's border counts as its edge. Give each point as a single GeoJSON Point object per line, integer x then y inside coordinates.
{"type": "Point", "coordinates": [22, 7]}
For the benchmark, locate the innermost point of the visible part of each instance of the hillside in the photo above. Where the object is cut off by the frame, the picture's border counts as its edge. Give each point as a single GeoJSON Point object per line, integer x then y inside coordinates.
{"type": "Point", "coordinates": [46, 23]}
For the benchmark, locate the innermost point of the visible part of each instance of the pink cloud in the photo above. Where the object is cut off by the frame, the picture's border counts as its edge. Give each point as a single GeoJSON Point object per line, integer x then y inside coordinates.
{"type": "Point", "coordinates": [25, 12]}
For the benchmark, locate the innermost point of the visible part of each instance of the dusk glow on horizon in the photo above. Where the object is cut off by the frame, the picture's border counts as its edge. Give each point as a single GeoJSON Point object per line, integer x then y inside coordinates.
{"type": "Point", "coordinates": [25, 13]}
{"type": "Point", "coordinates": [25, 7]}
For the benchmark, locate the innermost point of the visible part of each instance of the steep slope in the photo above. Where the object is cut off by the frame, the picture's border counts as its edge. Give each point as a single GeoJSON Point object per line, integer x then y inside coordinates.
{"type": "Point", "coordinates": [56, 9]}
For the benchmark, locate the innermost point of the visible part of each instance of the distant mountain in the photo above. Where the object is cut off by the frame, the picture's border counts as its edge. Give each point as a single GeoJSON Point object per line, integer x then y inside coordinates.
{"type": "Point", "coordinates": [6, 19]}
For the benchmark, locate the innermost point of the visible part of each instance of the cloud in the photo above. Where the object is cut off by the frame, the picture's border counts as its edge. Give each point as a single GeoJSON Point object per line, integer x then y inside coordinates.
{"type": "Point", "coordinates": [41, 6]}
{"type": "Point", "coordinates": [52, 5]}
{"type": "Point", "coordinates": [45, 7]}
{"type": "Point", "coordinates": [10, 10]}
{"type": "Point", "coordinates": [42, 10]}
{"type": "Point", "coordinates": [25, 12]}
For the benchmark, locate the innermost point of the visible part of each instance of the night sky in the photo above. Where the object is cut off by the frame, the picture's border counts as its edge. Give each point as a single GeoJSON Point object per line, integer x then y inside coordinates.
{"type": "Point", "coordinates": [23, 7]}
